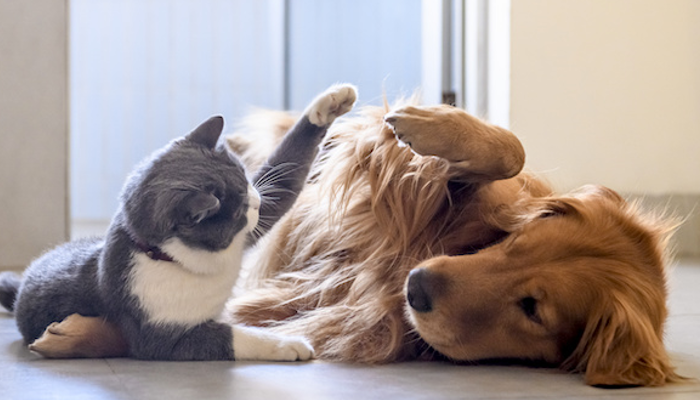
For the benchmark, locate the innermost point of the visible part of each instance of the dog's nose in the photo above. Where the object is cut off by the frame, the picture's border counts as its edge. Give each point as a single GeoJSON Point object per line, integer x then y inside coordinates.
{"type": "Point", "coordinates": [418, 290]}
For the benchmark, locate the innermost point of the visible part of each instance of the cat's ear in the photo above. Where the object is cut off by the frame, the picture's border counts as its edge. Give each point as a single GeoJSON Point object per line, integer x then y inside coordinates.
{"type": "Point", "coordinates": [199, 207]}
{"type": "Point", "coordinates": [207, 134]}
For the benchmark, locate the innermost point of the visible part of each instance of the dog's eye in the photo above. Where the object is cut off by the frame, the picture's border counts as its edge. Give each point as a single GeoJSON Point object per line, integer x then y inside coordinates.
{"type": "Point", "coordinates": [552, 212]}
{"type": "Point", "coordinates": [549, 213]}
{"type": "Point", "coordinates": [529, 307]}
{"type": "Point", "coordinates": [555, 209]}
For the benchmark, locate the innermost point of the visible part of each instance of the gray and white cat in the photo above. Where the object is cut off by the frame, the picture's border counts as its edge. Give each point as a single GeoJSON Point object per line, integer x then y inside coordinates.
{"type": "Point", "coordinates": [173, 250]}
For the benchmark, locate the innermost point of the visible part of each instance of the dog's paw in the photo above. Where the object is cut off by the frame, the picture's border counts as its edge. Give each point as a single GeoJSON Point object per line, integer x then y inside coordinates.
{"type": "Point", "coordinates": [59, 340]}
{"type": "Point", "coordinates": [475, 147]}
{"type": "Point", "coordinates": [260, 344]}
{"type": "Point", "coordinates": [426, 130]}
{"type": "Point", "coordinates": [331, 104]}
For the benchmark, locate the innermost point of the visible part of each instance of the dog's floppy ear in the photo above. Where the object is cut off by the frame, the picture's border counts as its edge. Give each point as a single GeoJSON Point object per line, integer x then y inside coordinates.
{"type": "Point", "coordinates": [621, 346]}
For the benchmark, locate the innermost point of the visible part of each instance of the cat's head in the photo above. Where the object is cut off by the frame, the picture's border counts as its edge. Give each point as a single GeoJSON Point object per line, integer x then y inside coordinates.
{"type": "Point", "coordinates": [193, 189]}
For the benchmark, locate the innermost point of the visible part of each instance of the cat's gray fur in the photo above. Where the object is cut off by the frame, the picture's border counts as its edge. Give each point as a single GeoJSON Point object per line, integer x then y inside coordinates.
{"type": "Point", "coordinates": [191, 199]}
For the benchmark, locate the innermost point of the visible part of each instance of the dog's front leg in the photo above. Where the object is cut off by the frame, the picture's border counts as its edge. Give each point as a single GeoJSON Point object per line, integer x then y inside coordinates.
{"type": "Point", "coordinates": [479, 150]}
{"type": "Point", "coordinates": [78, 336]}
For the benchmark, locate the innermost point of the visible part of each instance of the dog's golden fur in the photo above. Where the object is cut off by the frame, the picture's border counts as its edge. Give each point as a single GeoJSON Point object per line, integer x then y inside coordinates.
{"type": "Point", "coordinates": [446, 248]}
{"type": "Point", "coordinates": [485, 238]}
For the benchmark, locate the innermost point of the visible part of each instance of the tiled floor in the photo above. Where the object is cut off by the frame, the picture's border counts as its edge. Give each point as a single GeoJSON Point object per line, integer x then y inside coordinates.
{"type": "Point", "coordinates": [25, 376]}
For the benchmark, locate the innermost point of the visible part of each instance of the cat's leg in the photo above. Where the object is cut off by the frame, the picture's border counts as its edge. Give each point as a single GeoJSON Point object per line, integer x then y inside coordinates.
{"type": "Point", "coordinates": [251, 343]}
{"type": "Point", "coordinates": [214, 341]}
{"type": "Point", "coordinates": [78, 336]}
{"type": "Point", "coordinates": [284, 173]}
{"type": "Point", "coordinates": [477, 150]}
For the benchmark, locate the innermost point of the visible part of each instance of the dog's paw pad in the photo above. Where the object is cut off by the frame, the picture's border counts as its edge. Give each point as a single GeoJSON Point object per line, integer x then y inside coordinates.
{"type": "Point", "coordinates": [331, 104]}
{"type": "Point", "coordinates": [261, 344]}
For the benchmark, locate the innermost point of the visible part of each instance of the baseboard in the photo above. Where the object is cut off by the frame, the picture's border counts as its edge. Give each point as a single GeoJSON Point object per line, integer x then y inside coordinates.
{"type": "Point", "coordinates": [686, 207]}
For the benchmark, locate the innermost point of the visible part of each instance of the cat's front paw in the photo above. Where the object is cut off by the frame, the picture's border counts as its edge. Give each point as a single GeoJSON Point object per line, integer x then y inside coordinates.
{"type": "Point", "coordinates": [331, 104]}
{"type": "Point", "coordinates": [261, 344]}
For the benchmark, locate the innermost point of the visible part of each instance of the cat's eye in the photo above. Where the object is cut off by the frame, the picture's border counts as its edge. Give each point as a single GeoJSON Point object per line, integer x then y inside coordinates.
{"type": "Point", "coordinates": [238, 213]}
{"type": "Point", "coordinates": [198, 207]}
{"type": "Point", "coordinates": [219, 194]}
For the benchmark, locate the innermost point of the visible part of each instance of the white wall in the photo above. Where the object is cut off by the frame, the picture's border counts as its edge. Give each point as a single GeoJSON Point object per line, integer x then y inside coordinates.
{"type": "Point", "coordinates": [33, 128]}
{"type": "Point", "coordinates": [608, 91]}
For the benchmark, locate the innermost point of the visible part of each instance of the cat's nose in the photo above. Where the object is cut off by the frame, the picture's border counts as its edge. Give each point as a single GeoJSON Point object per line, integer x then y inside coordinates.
{"type": "Point", "coordinates": [253, 198]}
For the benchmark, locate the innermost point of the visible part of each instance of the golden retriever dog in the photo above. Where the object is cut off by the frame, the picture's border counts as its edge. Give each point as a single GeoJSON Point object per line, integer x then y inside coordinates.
{"type": "Point", "coordinates": [445, 247]}
{"type": "Point", "coordinates": [418, 237]}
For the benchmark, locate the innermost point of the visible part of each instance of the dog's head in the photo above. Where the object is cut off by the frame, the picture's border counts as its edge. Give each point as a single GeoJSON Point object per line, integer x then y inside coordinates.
{"type": "Point", "coordinates": [579, 282]}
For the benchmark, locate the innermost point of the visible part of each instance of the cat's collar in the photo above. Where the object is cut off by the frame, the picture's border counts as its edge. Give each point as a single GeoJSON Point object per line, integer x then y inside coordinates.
{"type": "Point", "coordinates": [153, 252]}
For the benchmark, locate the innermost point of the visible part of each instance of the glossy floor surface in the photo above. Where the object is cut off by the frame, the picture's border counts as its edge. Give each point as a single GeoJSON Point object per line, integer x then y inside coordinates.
{"type": "Point", "coordinates": [26, 376]}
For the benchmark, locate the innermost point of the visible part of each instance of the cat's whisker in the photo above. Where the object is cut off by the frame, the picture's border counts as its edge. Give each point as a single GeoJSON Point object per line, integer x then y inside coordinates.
{"type": "Point", "coordinates": [268, 195]}
{"type": "Point", "coordinates": [275, 173]}
{"type": "Point", "coordinates": [264, 190]}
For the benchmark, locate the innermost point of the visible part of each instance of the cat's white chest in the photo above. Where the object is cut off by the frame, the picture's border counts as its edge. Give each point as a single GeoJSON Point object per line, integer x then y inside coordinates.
{"type": "Point", "coordinates": [189, 291]}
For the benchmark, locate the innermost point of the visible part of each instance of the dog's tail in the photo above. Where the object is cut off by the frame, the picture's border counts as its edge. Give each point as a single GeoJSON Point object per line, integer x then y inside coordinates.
{"type": "Point", "coordinates": [9, 286]}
